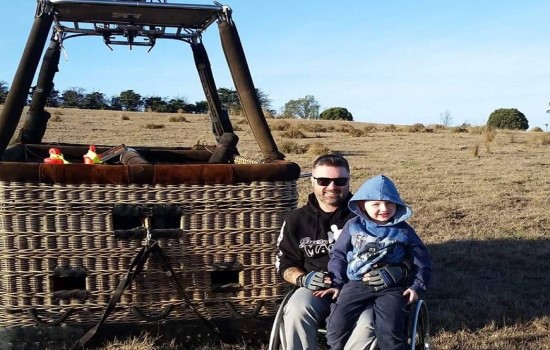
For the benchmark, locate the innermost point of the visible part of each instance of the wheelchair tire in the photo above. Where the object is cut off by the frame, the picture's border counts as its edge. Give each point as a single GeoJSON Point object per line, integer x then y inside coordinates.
{"type": "Point", "coordinates": [419, 329]}
{"type": "Point", "coordinates": [275, 341]}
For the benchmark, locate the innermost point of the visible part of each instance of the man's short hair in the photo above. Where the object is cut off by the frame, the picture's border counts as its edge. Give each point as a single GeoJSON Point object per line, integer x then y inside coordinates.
{"type": "Point", "coordinates": [334, 160]}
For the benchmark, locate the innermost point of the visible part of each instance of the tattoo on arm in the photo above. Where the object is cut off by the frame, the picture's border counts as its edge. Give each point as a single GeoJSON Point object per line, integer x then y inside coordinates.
{"type": "Point", "coordinates": [291, 274]}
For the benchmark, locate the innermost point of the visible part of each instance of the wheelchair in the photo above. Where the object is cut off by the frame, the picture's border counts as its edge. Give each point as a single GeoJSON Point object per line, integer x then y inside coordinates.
{"type": "Point", "coordinates": [418, 329]}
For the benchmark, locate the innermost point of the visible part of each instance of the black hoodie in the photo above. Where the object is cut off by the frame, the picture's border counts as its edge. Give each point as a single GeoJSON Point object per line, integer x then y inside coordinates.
{"type": "Point", "coordinates": [307, 235]}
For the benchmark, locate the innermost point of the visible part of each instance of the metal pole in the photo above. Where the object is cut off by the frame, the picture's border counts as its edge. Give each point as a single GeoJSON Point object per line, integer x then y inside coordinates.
{"type": "Point", "coordinates": [19, 89]}
{"type": "Point", "coordinates": [37, 119]}
{"type": "Point", "coordinates": [220, 120]}
{"type": "Point", "coordinates": [242, 79]}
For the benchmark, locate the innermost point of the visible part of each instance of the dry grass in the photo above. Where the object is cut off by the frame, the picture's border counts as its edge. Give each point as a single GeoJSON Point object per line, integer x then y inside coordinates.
{"type": "Point", "coordinates": [484, 217]}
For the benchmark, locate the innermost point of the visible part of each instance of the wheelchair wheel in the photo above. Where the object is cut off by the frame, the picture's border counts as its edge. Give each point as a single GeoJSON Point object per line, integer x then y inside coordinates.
{"type": "Point", "coordinates": [276, 338]}
{"type": "Point", "coordinates": [419, 328]}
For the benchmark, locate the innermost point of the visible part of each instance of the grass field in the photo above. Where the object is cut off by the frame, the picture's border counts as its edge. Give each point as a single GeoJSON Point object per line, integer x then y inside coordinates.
{"type": "Point", "coordinates": [480, 199]}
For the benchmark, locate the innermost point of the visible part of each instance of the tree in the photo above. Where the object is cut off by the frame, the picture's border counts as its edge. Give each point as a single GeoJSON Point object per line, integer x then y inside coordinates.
{"type": "Point", "coordinates": [230, 100]}
{"type": "Point", "coordinates": [54, 100]}
{"type": "Point", "coordinates": [95, 100]}
{"type": "Point", "coordinates": [264, 99]}
{"type": "Point", "coordinates": [177, 104]}
{"type": "Point", "coordinates": [73, 97]}
{"type": "Point", "coordinates": [130, 100]}
{"type": "Point", "coordinates": [115, 103]}
{"type": "Point", "coordinates": [3, 91]}
{"type": "Point", "coordinates": [446, 118]}
{"type": "Point", "coordinates": [199, 107]}
{"type": "Point", "coordinates": [336, 113]}
{"type": "Point", "coordinates": [302, 108]}
{"type": "Point", "coordinates": [508, 118]}
{"type": "Point", "coordinates": [155, 104]}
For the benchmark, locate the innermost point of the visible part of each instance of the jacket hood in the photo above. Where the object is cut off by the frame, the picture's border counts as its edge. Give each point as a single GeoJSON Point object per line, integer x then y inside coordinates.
{"type": "Point", "coordinates": [380, 188]}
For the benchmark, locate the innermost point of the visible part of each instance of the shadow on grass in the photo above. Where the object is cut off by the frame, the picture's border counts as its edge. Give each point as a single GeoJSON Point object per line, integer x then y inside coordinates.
{"type": "Point", "coordinates": [477, 283]}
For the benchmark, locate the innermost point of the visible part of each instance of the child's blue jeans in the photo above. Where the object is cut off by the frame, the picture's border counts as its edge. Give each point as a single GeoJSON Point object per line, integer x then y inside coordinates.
{"type": "Point", "coordinates": [389, 315]}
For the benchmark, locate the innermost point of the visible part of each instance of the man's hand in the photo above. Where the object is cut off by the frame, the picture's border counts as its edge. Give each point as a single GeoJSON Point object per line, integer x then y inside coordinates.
{"type": "Point", "coordinates": [384, 277]}
{"type": "Point", "coordinates": [313, 280]}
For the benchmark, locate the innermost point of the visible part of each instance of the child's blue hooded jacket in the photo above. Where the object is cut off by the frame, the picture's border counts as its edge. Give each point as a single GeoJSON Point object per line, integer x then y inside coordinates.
{"type": "Point", "coordinates": [363, 243]}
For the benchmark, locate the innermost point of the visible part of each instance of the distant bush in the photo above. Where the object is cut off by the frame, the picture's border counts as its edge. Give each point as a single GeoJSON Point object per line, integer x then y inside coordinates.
{"type": "Point", "coordinates": [536, 129]}
{"type": "Point", "coordinates": [177, 119]}
{"type": "Point", "coordinates": [280, 125]}
{"type": "Point", "coordinates": [317, 149]}
{"type": "Point", "coordinates": [545, 139]}
{"type": "Point", "coordinates": [417, 127]}
{"type": "Point", "coordinates": [477, 130]}
{"type": "Point", "coordinates": [336, 113]}
{"type": "Point", "coordinates": [154, 126]}
{"type": "Point", "coordinates": [437, 127]}
{"type": "Point", "coordinates": [357, 132]}
{"type": "Point", "coordinates": [390, 128]}
{"type": "Point", "coordinates": [508, 118]}
{"type": "Point", "coordinates": [293, 134]}
{"type": "Point", "coordinates": [369, 128]}
{"type": "Point", "coordinates": [292, 147]}
{"type": "Point", "coordinates": [56, 118]}
{"type": "Point", "coordinates": [489, 134]}
{"type": "Point", "coordinates": [314, 127]}
{"type": "Point", "coordinates": [344, 128]}
{"type": "Point", "coordinates": [475, 150]}
{"type": "Point", "coordinates": [242, 121]}
{"type": "Point", "coordinates": [458, 129]}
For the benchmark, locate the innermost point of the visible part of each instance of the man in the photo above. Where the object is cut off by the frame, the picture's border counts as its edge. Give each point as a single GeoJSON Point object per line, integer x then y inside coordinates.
{"type": "Point", "coordinates": [306, 237]}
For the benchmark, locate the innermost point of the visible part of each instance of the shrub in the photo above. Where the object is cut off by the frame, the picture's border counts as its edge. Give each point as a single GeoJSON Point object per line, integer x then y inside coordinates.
{"type": "Point", "coordinates": [369, 128]}
{"type": "Point", "coordinates": [314, 127]}
{"type": "Point", "coordinates": [336, 113]}
{"type": "Point", "coordinates": [489, 134]}
{"type": "Point", "coordinates": [458, 130]}
{"type": "Point", "coordinates": [545, 139]}
{"type": "Point", "coordinates": [317, 149]}
{"type": "Point", "coordinates": [417, 127]}
{"type": "Point", "coordinates": [242, 121]}
{"type": "Point", "coordinates": [437, 127]}
{"type": "Point", "coordinates": [154, 126]}
{"type": "Point", "coordinates": [280, 125]}
{"type": "Point", "coordinates": [56, 118]}
{"type": "Point", "coordinates": [291, 147]}
{"type": "Point", "coordinates": [477, 130]}
{"type": "Point", "coordinates": [508, 118]}
{"type": "Point", "coordinates": [179, 118]}
{"type": "Point", "coordinates": [475, 151]}
{"type": "Point", "coordinates": [536, 129]}
{"type": "Point", "coordinates": [390, 128]}
{"type": "Point", "coordinates": [357, 132]}
{"type": "Point", "coordinates": [345, 128]}
{"type": "Point", "coordinates": [293, 134]}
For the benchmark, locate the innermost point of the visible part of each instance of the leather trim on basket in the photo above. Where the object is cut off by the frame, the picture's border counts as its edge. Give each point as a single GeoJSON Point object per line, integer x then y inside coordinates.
{"type": "Point", "coordinates": [193, 174]}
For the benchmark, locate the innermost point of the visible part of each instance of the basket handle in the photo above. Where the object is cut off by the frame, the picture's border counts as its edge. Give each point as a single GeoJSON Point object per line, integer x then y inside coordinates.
{"type": "Point", "coordinates": [240, 314]}
{"type": "Point", "coordinates": [55, 322]}
{"type": "Point", "coordinates": [152, 317]}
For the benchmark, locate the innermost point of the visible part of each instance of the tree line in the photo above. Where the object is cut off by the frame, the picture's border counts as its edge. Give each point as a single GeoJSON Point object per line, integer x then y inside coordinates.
{"type": "Point", "coordinates": [129, 100]}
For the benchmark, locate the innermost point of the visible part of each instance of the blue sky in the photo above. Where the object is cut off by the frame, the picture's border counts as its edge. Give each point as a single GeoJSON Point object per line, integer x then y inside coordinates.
{"type": "Point", "coordinates": [399, 62]}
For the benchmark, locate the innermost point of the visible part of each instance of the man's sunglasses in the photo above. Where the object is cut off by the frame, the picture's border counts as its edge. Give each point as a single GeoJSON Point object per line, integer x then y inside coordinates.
{"type": "Point", "coordinates": [325, 181]}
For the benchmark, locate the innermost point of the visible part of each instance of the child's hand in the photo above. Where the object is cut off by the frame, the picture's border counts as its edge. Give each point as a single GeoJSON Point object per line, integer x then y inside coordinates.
{"type": "Point", "coordinates": [329, 291]}
{"type": "Point", "coordinates": [410, 295]}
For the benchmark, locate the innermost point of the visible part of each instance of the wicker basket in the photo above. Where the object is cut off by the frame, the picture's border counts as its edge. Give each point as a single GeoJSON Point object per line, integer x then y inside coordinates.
{"type": "Point", "coordinates": [65, 246]}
